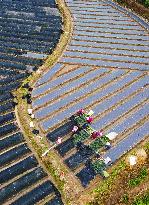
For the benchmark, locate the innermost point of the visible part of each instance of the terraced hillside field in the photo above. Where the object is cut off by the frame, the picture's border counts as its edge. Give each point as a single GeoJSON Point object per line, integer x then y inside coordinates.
{"type": "Point", "coordinates": [104, 68]}
{"type": "Point", "coordinates": [29, 32]}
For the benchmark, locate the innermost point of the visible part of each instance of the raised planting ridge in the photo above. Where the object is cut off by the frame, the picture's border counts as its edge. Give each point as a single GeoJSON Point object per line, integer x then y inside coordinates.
{"type": "Point", "coordinates": [104, 68]}
{"type": "Point", "coordinates": [29, 32]}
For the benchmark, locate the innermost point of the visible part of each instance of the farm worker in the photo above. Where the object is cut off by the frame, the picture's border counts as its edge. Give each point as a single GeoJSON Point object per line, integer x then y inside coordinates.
{"type": "Point", "coordinates": [89, 119]}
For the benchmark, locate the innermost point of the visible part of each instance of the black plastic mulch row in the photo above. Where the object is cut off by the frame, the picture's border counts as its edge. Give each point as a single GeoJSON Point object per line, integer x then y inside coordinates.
{"type": "Point", "coordinates": [50, 3]}
{"type": "Point", "coordinates": [28, 24]}
{"type": "Point", "coordinates": [28, 47]}
{"type": "Point", "coordinates": [7, 129]}
{"type": "Point", "coordinates": [86, 175]}
{"type": "Point", "coordinates": [7, 107]}
{"type": "Point", "coordinates": [11, 141]}
{"type": "Point", "coordinates": [12, 79]}
{"type": "Point", "coordinates": [12, 51]}
{"type": "Point", "coordinates": [65, 146]}
{"type": "Point", "coordinates": [33, 37]}
{"type": "Point", "coordinates": [27, 42]}
{"type": "Point", "coordinates": [5, 71]}
{"type": "Point", "coordinates": [54, 21]}
{"type": "Point", "coordinates": [18, 169]}
{"type": "Point", "coordinates": [29, 8]}
{"type": "Point", "coordinates": [33, 18]}
{"type": "Point", "coordinates": [14, 154]}
{"type": "Point", "coordinates": [61, 131]}
{"type": "Point", "coordinates": [36, 18]}
{"type": "Point", "coordinates": [22, 183]}
{"type": "Point", "coordinates": [7, 118]}
{"type": "Point", "coordinates": [55, 201]}
{"type": "Point", "coordinates": [33, 33]}
{"type": "Point", "coordinates": [33, 30]}
{"type": "Point", "coordinates": [25, 8]}
{"type": "Point", "coordinates": [36, 194]}
{"type": "Point", "coordinates": [20, 59]}
{"type": "Point", "coordinates": [18, 66]}
{"type": "Point", "coordinates": [79, 157]}
{"type": "Point", "coordinates": [10, 87]}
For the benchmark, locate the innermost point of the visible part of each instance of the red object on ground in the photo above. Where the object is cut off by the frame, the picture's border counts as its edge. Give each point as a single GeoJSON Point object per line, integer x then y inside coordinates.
{"type": "Point", "coordinates": [97, 134]}
{"type": "Point", "coordinates": [89, 119]}
{"type": "Point", "coordinates": [94, 135]}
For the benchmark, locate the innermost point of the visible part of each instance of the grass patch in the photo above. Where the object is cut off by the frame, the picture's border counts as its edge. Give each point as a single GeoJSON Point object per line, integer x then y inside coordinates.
{"type": "Point", "coordinates": [144, 2]}
{"type": "Point", "coordinates": [142, 200]}
{"type": "Point", "coordinates": [140, 7]}
{"type": "Point", "coordinates": [125, 199]}
{"type": "Point", "coordinates": [106, 185]}
{"type": "Point", "coordinates": [140, 178]}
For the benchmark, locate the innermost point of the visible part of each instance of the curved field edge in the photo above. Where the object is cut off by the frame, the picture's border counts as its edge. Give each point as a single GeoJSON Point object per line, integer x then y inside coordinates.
{"type": "Point", "coordinates": [50, 162]}
{"type": "Point", "coordinates": [63, 42]}
{"type": "Point", "coordinates": [21, 109]}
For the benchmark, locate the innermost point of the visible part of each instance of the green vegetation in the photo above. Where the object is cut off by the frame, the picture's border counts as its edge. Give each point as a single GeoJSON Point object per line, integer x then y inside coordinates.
{"type": "Point", "coordinates": [146, 147]}
{"type": "Point", "coordinates": [121, 176]}
{"type": "Point", "coordinates": [81, 136]}
{"type": "Point", "coordinates": [99, 166]}
{"type": "Point", "coordinates": [105, 186]}
{"type": "Point", "coordinates": [141, 7]}
{"type": "Point", "coordinates": [99, 143]}
{"type": "Point", "coordinates": [140, 178]}
{"type": "Point", "coordinates": [125, 199]}
{"type": "Point", "coordinates": [144, 2]}
{"type": "Point", "coordinates": [142, 200]}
